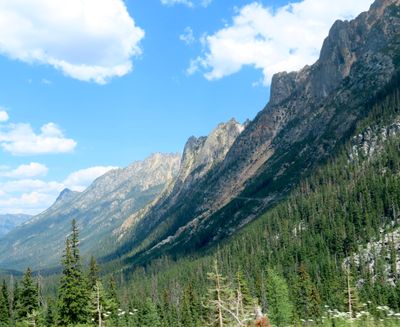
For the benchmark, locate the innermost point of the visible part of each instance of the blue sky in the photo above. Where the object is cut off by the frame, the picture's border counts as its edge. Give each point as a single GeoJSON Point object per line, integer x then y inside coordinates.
{"type": "Point", "coordinates": [103, 83]}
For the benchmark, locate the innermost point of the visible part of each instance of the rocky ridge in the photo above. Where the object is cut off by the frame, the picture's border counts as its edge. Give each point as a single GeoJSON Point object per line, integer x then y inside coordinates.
{"type": "Point", "coordinates": [310, 113]}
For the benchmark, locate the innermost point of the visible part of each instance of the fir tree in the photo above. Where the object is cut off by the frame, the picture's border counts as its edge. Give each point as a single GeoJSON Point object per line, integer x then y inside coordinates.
{"type": "Point", "coordinates": [280, 309]}
{"type": "Point", "coordinates": [73, 304]}
{"type": "Point", "coordinates": [306, 296]}
{"type": "Point", "coordinates": [113, 301]}
{"type": "Point", "coordinates": [150, 317]}
{"type": "Point", "coordinates": [28, 299]}
{"type": "Point", "coordinates": [93, 275]}
{"type": "Point", "coordinates": [4, 312]}
{"type": "Point", "coordinates": [6, 295]}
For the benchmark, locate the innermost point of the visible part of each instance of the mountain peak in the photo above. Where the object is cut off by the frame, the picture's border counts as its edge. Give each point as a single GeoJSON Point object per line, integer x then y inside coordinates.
{"type": "Point", "coordinates": [203, 152]}
{"type": "Point", "coordinates": [65, 195]}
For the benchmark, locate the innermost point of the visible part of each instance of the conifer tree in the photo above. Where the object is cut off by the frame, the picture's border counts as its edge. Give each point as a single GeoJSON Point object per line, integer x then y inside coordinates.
{"type": "Point", "coordinates": [113, 301]}
{"type": "Point", "coordinates": [306, 296]}
{"type": "Point", "coordinates": [4, 312]}
{"type": "Point", "coordinates": [28, 299]}
{"type": "Point", "coordinates": [73, 304]}
{"type": "Point", "coordinates": [245, 302]}
{"type": "Point", "coordinates": [6, 296]}
{"type": "Point", "coordinates": [280, 309]}
{"type": "Point", "coordinates": [190, 307]}
{"type": "Point", "coordinates": [51, 318]}
{"type": "Point", "coordinates": [93, 275]}
{"type": "Point", "coordinates": [150, 317]}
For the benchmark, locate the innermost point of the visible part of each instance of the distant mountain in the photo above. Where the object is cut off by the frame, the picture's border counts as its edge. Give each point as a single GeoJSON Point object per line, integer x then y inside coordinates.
{"type": "Point", "coordinates": [309, 115]}
{"type": "Point", "coordinates": [9, 221]}
{"type": "Point", "coordinates": [101, 208]}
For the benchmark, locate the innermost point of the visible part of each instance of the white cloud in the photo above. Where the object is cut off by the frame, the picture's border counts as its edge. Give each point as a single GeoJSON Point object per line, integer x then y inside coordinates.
{"type": "Point", "coordinates": [187, 3]}
{"type": "Point", "coordinates": [285, 39]}
{"type": "Point", "coordinates": [33, 169]}
{"type": "Point", "coordinates": [21, 139]}
{"type": "Point", "coordinates": [90, 40]}
{"type": "Point", "coordinates": [32, 196]}
{"type": "Point", "coordinates": [3, 115]}
{"type": "Point", "coordinates": [27, 203]}
{"type": "Point", "coordinates": [79, 180]}
{"type": "Point", "coordinates": [187, 36]}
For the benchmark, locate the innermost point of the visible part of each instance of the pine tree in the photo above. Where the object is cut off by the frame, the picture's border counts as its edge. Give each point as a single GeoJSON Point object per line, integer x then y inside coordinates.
{"type": "Point", "coordinates": [73, 304]}
{"type": "Point", "coordinates": [14, 301]}
{"type": "Point", "coordinates": [306, 296]}
{"type": "Point", "coordinates": [113, 301]}
{"type": "Point", "coordinates": [150, 317]}
{"type": "Point", "coordinates": [93, 275]}
{"type": "Point", "coordinates": [51, 318]}
{"type": "Point", "coordinates": [190, 307]}
{"type": "Point", "coordinates": [6, 296]}
{"type": "Point", "coordinates": [245, 302]}
{"type": "Point", "coordinates": [4, 312]}
{"type": "Point", "coordinates": [280, 309]}
{"type": "Point", "coordinates": [28, 298]}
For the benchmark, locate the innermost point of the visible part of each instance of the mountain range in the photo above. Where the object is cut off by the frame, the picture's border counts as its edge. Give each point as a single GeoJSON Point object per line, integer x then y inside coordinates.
{"type": "Point", "coordinates": [9, 222]}
{"type": "Point", "coordinates": [98, 210]}
{"type": "Point", "coordinates": [175, 205]}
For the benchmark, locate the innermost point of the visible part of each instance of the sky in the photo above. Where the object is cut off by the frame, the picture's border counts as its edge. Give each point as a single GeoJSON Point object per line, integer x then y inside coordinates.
{"type": "Point", "coordinates": [92, 85]}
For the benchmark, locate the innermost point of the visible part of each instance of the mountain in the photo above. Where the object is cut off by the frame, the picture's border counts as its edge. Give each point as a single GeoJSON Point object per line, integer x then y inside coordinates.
{"type": "Point", "coordinates": [8, 222]}
{"type": "Point", "coordinates": [200, 155]}
{"type": "Point", "coordinates": [310, 114]}
{"type": "Point", "coordinates": [101, 208]}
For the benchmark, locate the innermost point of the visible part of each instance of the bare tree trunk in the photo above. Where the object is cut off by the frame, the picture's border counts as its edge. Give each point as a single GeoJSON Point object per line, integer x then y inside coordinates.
{"type": "Point", "coordinates": [349, 295]}
{"type": "Point", "coordinates": [98, 304]}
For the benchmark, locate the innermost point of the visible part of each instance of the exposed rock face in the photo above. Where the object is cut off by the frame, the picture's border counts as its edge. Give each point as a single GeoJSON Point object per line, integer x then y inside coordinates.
{"type": "Point", "coordinates": [310, 112]}
{"type": "Point", "coordinates": [387, 249]}
{"type": "Point", "coordinates": [200, 155]}
{"type": "Point", "coordinates": [8, 222]}
{"type": "Point", "coordinates": [371, 141]}
{"type": "Point", "coordinates": [102, 207]}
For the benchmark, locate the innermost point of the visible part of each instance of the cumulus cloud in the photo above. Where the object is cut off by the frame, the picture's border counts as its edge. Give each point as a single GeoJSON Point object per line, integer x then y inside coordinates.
{"type": "Point", "coordinates": [187, 36]}
{"type": "Point", "coordinates": [79, 180]}
{"type": "Point", "coordinates": [3, 115]}
{"type": "Point", "coordinates": [21, 139]}
{"type": "Point", "coordinates": [33, 195]}
{"type": "Point", "coordinates": [33, 169]}
{"type": "Point", "coordinates": [89, 40]}
{"type": "Point", "coordinates": [284, 39]}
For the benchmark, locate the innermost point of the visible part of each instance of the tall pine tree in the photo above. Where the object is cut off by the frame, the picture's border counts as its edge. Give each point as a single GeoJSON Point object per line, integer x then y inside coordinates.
{"type": "Point", "coordinates": [28, 298]}
{"type": "Point", "coordinates": [73, 304]}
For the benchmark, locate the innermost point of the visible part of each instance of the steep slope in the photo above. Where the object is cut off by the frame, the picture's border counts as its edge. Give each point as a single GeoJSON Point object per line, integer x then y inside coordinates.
{"type": "Point", "coordinates": [8, 222]}
{"type": "Point", "coordinates": [310, 113]}
{"type": "Point", "coordinates": [350, 205]}
{"type": "Point", "coordinates": [102, 207]}
{"type": "Point", "coordinates": [200, 155]}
